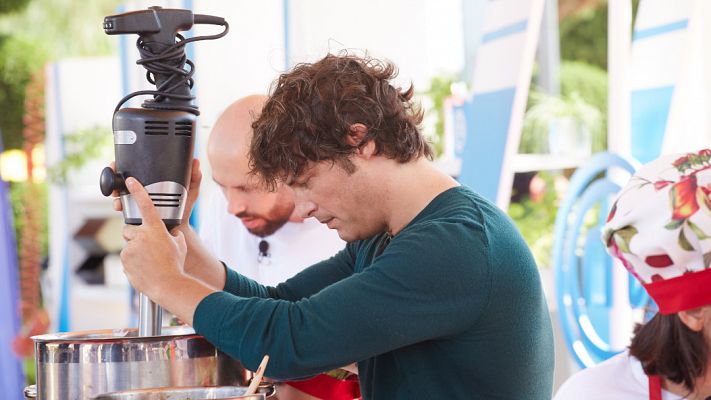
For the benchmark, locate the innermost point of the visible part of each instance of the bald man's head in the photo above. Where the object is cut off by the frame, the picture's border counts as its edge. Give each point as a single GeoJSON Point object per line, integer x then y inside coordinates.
{"type": "Point", "coordinates": [262, 212]}
{"type": "Point", "coordinates": [233, 129]}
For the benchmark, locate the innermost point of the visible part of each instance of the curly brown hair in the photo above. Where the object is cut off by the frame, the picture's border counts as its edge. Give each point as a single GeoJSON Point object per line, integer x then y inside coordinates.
{"type": "Point", "coordinates": [312, 108]}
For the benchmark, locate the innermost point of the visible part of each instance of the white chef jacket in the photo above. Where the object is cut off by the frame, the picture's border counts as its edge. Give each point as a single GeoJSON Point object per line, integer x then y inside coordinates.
{"type": "Point", "coordinates": [620, 377]}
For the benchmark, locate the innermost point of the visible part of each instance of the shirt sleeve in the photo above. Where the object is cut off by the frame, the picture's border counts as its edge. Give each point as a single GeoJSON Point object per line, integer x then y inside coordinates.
{"type": "Point", "coordinates": [429, 282]}
{"type": "Point", "coordinates": [302, 285]}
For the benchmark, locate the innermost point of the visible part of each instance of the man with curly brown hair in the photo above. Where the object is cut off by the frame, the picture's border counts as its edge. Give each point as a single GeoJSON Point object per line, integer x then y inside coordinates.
{"type": "Point", "coordinates": [436, 294]}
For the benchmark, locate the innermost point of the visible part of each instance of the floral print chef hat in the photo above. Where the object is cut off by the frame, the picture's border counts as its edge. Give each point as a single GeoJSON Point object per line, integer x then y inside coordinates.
{"type": "Point", "coordinates": [660, 228]}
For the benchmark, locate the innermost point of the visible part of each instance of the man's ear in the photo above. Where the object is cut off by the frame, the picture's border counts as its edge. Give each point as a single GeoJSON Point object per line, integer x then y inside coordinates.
{"type": "Point", "coordinates": [695, 318]}
{"type": "Point", "coordinates": [356, 134]}
{"type": "Point", "coordinates": [355, 137]}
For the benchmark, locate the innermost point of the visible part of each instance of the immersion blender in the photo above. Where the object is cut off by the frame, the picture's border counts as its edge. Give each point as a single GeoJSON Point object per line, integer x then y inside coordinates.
{"type": "Point", "coordinates": [154, 143]}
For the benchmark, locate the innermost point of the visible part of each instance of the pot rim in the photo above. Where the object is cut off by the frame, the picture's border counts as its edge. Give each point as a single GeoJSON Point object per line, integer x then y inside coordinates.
{"type": "Point", "coordinates": [106, 335]}
{"type": "Point", "coordinates": [265, 389]}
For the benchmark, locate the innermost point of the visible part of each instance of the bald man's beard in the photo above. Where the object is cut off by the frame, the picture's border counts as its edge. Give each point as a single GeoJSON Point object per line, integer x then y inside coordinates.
{"type": "Point", "coordinates": [271, 223]}
{"type": "Point", "coordinates": [268, 228]}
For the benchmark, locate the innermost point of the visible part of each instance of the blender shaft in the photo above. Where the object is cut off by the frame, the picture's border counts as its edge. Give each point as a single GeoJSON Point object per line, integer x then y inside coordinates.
{"type": "Point", "coordinates": [150, 317]}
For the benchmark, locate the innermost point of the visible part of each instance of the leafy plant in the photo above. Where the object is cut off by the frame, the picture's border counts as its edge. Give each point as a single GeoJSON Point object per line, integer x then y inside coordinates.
{"type": "Point", "coordinates": [17, 194]}
{"type": "Point", "coordinates": [583, 98]}
{"type": "Point", "coordinates": [590, 82]}
{"type": "Point", "coordinates": [18, 59]}
{"type": "Point", "coordinates": [545, 109]}
{"type": "Point", "coordinates": [81, 147]}
{"type": "Point", "coordinates": [583, 36]}
{"type": "Point", "coordinates": [8, 6]}
{"type": "Point", "coordinates": [35, 34]}
{"type": "Point", "coordinates": [536, 219]}
{"type": "Point", "coordinates": [440, 89]}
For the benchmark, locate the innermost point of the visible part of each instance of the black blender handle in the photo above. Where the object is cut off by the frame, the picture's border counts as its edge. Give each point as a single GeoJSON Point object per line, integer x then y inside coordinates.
{"type": "Point", "coordinates": [110, 181]}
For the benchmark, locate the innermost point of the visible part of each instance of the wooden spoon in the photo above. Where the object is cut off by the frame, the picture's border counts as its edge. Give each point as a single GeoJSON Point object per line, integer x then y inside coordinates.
{"type": "Point", "coordinates": [257, 379]}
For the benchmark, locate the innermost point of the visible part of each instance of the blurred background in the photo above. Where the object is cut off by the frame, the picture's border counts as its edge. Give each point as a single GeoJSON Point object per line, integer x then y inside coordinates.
{"type": "Point", "coordinates": [535, 104]}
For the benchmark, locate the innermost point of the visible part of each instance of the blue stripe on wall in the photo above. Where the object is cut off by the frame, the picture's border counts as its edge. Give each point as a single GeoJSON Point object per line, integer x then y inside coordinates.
{"type": "Point", "coordinates": [649, 114]}
{"type": "Point", "coordinates": [660, 29]}
{"type": "Point", "coordinates": [516, 27]}
{"type": "Point", "coordinates": [190, 53]}
{"type": "Point", "coordinates": [488, 116]}
{"type": "Point", "coordinates": [63, 323]}
{"type": "Point", "coordinates": [287, 50]}
{"type": "Point", "coordinates": [12, 378]}
{"type": "Point", "coordinates": [123, 57]}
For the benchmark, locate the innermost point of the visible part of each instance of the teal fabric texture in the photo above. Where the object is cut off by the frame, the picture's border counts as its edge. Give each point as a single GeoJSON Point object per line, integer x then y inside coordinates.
{"type": "Point", "coordinates": [451, 308]}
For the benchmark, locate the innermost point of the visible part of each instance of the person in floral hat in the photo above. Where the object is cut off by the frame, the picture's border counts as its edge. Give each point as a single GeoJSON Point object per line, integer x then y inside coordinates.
{"type": "Point", "coordinates": [660, 229]}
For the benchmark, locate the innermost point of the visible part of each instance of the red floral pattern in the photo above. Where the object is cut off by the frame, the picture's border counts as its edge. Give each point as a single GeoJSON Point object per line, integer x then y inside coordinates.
{"type": "Point", "coordinates": [658, 261]}
{"type": "Point", "coordinates": [675, 273]}
{"type": "Point", "coordinates": [683, 198]}
{"type": "Point", "coordinates": [612, 212]}
{"type": "Point", "coordinates": [659, 185]}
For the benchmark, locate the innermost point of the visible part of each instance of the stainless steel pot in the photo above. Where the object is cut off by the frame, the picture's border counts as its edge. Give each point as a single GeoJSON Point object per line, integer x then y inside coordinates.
{"type": "Point", "coordinates": [192, 393]}
{"type": "Point", "coordinates": [81, 365]}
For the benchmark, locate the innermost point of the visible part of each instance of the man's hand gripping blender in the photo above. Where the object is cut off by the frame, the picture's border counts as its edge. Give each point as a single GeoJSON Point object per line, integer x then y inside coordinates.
{"type": "Point", "coordinates": [154, 143]}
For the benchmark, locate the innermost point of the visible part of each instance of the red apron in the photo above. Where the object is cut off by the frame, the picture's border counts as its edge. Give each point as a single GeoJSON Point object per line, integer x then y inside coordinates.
{"type": "Point", "coordinates": [655, 387]}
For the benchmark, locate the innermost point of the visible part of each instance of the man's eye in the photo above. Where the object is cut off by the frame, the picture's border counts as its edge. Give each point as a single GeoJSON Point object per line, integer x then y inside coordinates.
{"type": "Point", "coordinates": [244, 189]}
{"type": "Point", "coordinates": [300, 184]}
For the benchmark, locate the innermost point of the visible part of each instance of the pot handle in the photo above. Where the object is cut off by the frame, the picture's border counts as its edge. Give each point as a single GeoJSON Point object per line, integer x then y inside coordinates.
{"type": "Point", "coordinates": [267, 389]}
{"type": "Point", "coordinates": [30, 392]}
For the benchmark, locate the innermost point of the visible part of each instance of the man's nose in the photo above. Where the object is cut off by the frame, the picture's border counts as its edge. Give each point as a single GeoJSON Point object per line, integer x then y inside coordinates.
{"type": "Point", "coordinates": [235, 203]}
{"type": "Point", "coordinates": [305, 209]}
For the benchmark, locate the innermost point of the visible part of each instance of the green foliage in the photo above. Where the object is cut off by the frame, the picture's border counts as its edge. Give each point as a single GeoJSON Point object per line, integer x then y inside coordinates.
{"type": "Point", "coordinates": [44, 31]}
{"type": "Point", "coordinates": [590, 83]}
{"type": "Point", "coordinates": [588, 80]}
{"type": "Point", "coordinates": [440, 89]}
{"type": "Point", "coordinates": [18, 194]}
{"type": "Point", "coordinates": [18, 60]}
{"type": "Point", "coordinates": [583, 36]}
{"type": "Point", "coordinates": [8, 6]}
{"type": "Point", "coordinates": [545, 108]}
{"type": "Point", "coordinates": [583, 98]}
{"type": "Point", "coordinates": [64, 28]}
{"type": "Point", "coordinates": [81, 147]}
{"type": "Point", "coordinates": [536, 220]}
{"type": "Point", "coordinates": [30, 372]}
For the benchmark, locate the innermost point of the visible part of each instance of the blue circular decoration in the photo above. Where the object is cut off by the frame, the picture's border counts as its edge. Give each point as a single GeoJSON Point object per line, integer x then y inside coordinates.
{"type": "Point", "coordinates": [582, 267]}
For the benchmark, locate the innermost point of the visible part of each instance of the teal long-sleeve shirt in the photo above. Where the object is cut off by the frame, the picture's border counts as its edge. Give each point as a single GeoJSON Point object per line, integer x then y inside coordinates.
{"type": "Point", "coordinates": [451, 308]}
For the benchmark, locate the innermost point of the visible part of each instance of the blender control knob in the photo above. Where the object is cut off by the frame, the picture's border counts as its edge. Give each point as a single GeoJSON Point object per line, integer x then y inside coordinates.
{"type": "Point", "coordinates": [110, 181]}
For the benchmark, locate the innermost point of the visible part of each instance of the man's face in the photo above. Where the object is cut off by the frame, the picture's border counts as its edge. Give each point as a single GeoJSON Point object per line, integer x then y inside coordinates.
{"type": "Point", "coordinates": [262, 212]}
{"type": "Point", "coordinates": [338, 199]}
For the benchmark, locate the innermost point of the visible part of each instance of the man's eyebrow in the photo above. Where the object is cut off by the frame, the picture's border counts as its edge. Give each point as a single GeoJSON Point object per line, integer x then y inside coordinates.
{"type": "Point", "coordinates": [242, 186]}
{"type": "Point", "coordinates": [298, 181]}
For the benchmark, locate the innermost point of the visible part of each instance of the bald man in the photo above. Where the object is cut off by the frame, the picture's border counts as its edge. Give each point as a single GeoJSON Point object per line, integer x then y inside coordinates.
{"type": "Point", "coordinates": [251, 229]}
{"type": "Point", "coordinates": [256, 232]}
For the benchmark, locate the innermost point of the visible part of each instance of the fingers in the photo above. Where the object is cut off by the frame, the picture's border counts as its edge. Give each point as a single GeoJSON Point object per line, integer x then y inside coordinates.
{"type": "Point", "coordinates": [193, 189]}
{"type": "Point", "coordinates": [149, 213]}
{"type": "Point", "coordinates": [130, 232]}
{"type": "Point", "coordinates": [195, 180]}
{"type": "Point", "coordinates": [115, 193]}
{"type": "Point", "coordinates": [196, 171]}
{"type": "Point", "coordinates": [179, 239]}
